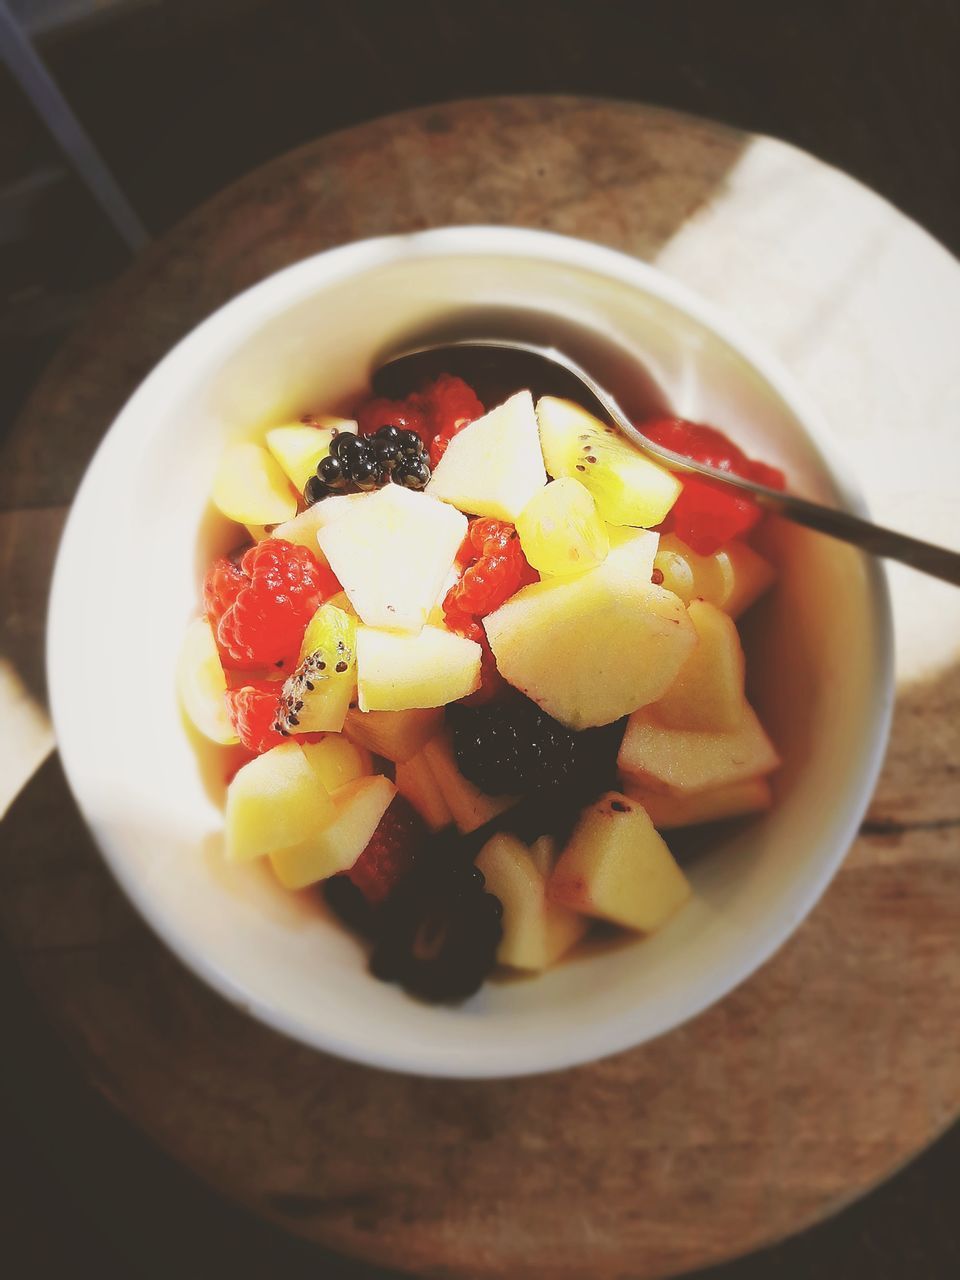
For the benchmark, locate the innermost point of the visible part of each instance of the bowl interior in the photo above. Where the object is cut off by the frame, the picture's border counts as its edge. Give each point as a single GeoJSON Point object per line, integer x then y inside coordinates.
{"type": "Point", "coordinates": [306, 340]}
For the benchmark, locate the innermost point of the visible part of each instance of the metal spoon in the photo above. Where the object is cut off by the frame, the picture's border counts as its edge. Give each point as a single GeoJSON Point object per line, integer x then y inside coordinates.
{"type": "Point", "coordinates": [512, 365]}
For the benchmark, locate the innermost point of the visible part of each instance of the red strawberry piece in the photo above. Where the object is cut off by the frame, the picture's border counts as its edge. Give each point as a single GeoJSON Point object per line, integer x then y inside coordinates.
{"type": "Point", "coordinates": [391, 852]}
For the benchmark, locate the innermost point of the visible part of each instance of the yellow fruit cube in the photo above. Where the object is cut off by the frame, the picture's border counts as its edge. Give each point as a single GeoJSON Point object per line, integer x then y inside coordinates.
{"type": "Point", "coordinates": [415, 781]}
{"type": "Point", "coordinates": [734, 800]}
{"type": "Point", "coordinates": [202, 685]}
{"type": "Point", "coordinates": [395, 735]}
{"type": "Point", "coordinates": [708, 690]}
{"type": "Point", "coordinates": [397, 672]}
{"type": "Point", "coordinates": [536, 932]}
{"type": "Point", "coordinates": [471, 808]}
{"type": "Point", "coordinates": [276, 800]}
{"type": "Point", "coordinates": [251, 487]}
{"type": "Point", "coordinates": [335, 847]}
{"type": "Point", "coordinates": [560, 530]}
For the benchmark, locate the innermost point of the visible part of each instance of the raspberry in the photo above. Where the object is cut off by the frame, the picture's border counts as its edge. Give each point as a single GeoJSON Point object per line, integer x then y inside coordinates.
{"type": "Point", "coordinates": [453, 405]}
{"type": "Point", "coordinates": [705, 515]}
{"type": "Point", "coordinates": [264, 623]}
{"type": "Point", "coordinates": [253, 712]}
{"type": "Point", "coordinates": [221, 587]}
{"type": "Point", "coordinates": [391, 852]}
{"type": "Point", "coordinates": [495, 569]}
{"type": "Point", "coordinates": [406, 415]}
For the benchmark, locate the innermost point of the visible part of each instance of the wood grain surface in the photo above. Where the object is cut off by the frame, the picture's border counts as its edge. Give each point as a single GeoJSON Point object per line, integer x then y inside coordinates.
{"type": "Point", "coordinates": [814, 1080]}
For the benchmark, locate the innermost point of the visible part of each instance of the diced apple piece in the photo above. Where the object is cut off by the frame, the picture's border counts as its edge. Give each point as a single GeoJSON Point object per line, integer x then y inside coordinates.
{"type": "Point", "coordinates": [494, 466]}
{"type": "Point", "coordinates": [628, 487]}
{"type": "Point", "coordinates": [732, 578]}
{"type": "Point", "coordinates": [591, 649]}
{"type": "Point", "coordinates": [303, 529]}
{"type": "Point", "coordinates": [299, 446]}
{"type": "Point", "coordinates": [276, 800]}
{"type": "Point", "coordinates": [685, 760]}
{"type": "Point", "coordinates": [202, 685]}
{"type": "Point", "coordinates": [336, 760]}
{"type": "Point", "coordinates": [251, 487]}
{"type": "Point", "coordinates": [400, 672]}
{"type": "Point", "coordinates": [470, 807]}
{"type": "Point", "coordinates": [560, 530]}
{"type": "Point", "coordinates": [357, 810]}
{"type": "Point", "coordinates": [632, 552]}
{"type": "Point", "coordinates": [415, 781]}
{"type": "Point", "coordinates": [395, 735]}
{"type": "Point", "coordinates": [734, 800]}
{"type": "Point", "coordinates": [392, 553]}
{"type": "Point", "coordinates": [616, 866]}
{"type": "Point", "coordinates": [543, 852]}
{"type": "Point", "coordinates": [708, 691]}
{"type": "Point", "coordinates": [536, 933]}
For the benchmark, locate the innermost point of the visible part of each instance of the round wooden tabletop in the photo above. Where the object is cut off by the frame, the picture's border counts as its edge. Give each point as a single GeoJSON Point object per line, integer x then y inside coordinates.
{"type": "Point", "coordinates": [818, 1077]}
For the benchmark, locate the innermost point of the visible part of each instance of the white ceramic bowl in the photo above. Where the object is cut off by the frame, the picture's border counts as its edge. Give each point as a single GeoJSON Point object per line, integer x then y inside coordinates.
{"type": "Point", "coordinates": [141, 532]}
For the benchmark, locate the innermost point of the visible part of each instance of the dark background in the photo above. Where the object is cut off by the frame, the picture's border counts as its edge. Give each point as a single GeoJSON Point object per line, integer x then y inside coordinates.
{"type": "Point", "coordinates": [182, 97]}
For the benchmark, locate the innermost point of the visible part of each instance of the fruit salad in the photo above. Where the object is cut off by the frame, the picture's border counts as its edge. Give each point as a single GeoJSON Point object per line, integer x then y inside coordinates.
{"type": "Point", "coordinates": [477, 663]}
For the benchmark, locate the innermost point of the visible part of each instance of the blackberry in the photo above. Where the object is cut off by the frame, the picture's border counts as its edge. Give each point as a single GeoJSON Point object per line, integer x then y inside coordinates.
{"type": "Point", "coordinates": [330, 471]}
{"type": "Point", "coordinates": [365, 474]}
{"type": "Point", "coordinates": [314, 491]}
{"type": "Point", "coordinates": [410, 444]}
{"type": "Point", "coordinates": [413, 474]}
{"type": "Point", "coordinates": [512, 747]}
{"type": "Point", "coordinates": [437, 934]}
{"type": "Point", "coordinates": [361, 463]}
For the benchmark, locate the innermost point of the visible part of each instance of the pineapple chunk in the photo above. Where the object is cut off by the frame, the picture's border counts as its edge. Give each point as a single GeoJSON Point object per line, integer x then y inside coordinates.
{"type": "Point", "coordinates": [357, 810]}
{"type": "Point", "coordinates": [275, 800]}
{"type": "Point", "coordinates": [494, 466]}
{"type": "Point", "coordinates": [685, 760]}
{"type": "Point", "coordinates": [536, 932]}
{"type": "Point", "coordinates": [734, 800]}
{"type": "Point", "coordinates": [628, 487]}
{"type": "Point", "coordinates": [401, 672]}
{"type": "Point", "coordinates": [392, 552]}
{"type": "Point", "coordinates": [560, 530]}
{"type": "Point", "coordinates": [336, 760]}
{"type": "Point", "coordinates": [616, 866]}
{"type": "Point", "coordinates": [202, 685]}
{"type": "Point", "coordinates": [732, 578]}
{"type": "Point", "coordinates": [708, 692]}
{"type": "Point", "coordinates": [470, 807]}
{"type": "Point", "coordinates": [251, 488]}
{"type": "Point", "coordinates": [415, 781]}
{"type": "Point", "coordinates": [299, 446]}
{"type": "Point", "coordinates": [395, 735]}
{"type": "Point", "coordinates": [593, 648]}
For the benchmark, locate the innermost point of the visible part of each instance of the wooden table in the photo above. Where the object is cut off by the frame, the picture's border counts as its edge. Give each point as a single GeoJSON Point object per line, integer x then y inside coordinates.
{"type": "Point", "coordinates": [818, 1077]}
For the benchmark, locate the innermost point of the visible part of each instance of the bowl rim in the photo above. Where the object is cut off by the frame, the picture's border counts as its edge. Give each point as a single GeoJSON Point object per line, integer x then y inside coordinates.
{"type": "Point", "coordinates": [242, 316]}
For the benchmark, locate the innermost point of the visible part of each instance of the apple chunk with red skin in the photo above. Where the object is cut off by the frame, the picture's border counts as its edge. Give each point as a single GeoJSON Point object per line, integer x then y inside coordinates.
{"type": "Point", "coordinates": [616, 866]}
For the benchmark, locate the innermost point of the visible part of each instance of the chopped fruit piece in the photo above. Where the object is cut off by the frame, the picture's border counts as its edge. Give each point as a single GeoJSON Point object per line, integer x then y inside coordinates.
{"type": "Point", "coordinates": [400, 672]}
{"type": "Point", "coordinates": [632, 553]}
{"type": "Point", "coordinates": [299, 446]}
{"type": "Point", "coordinates": [543, 854]}
{"type": "Point", "coordinates": [274, 801]}
{"type": "Point", "coordinates": [561, 531]}
{"type": "Point", "coordinates": [734, 800]}
{"type": "Point", "coordinates": [395, 735]}
{"type": "Point", "coordinates": [628, 488]}
{"type": "Point", "coordinates": [415, 781]}
{"type": "Point", "coordinates": [251, 487]}
{"type": "Point", "coordinates": [469, 806]}
{"type": "Point", "coordinates": [590, 649]}
{"type": "Point", "coordinates": [684, 760]}
{"type": "Point", "coordinates": [731, 578]}
{"type": "Point", "coordinates": [202, 685]}
{"type": "Point", "coordinates": [706, 515]}
{"type": "Point", "coordinates": [302, 530]}
{"type": "Point", "coordinates": [708, 691]}
{"type": "Point", "coordinates": [260, 621]}
{"type": "Point", "coordinates": [317, 696]}
{"type": "Point", "coordinates": [253, 708]}
{"type": "Point", "coordinates": [337, 761]}
{"type": "Point", "coordinates": [494, 466]}
{"type": "Point", "coordinates": [616, 866]}
{"type": "Point", "coordinates": [391, 853]}
{"type": "Point", "coordinates": [335, 847]}
{"type": "Point", "coordinates": [512, 746]}
{"type": "Point", "coordinates": [437, 935]}
{"type": "Point", "coordinates": [536, 933]}
{"type": "Point", "coordinates": [392, 551]}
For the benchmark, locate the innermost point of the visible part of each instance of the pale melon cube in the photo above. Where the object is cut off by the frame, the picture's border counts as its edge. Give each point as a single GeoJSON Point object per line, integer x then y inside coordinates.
{"type": "Point", "coordinates": [494, 466]}
{"type": "Point", "coordinates": [616, 866]}
{"type": "Point", "coordinates": [357, 810]}
{"type": "Point", "coordinates": [398, 672]}
{"type": "Point", "coordinates": [591, 649]}
{"type": "Point", "coordinates": [299, 446]}
{"type": "Point", "coordinates": [202, 685]}
{"type": "Point", "coordinates": [250, 486]}
{"type": "Point", "coordinates": [708, 691]}
{"type": "Point", "coordinates": [276, 800]}
{"type": "Point", "coordinates": [395, 735]}
{"type": "Point", "coordinates": [734, 800]}
{"type": "Point", "coordinates": [392, 552]}
{"type": "Point", "coordinates": [684, 760]}
{"type": "Point", "coordinates": [416, 782]}
{"type": "Point", "coordinates": [536, 932]}
{"type": "Point", "coordinates": [336, 760]}
{"type": "Point", "coordinates": [471, 807]}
